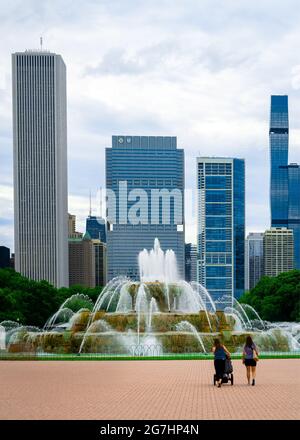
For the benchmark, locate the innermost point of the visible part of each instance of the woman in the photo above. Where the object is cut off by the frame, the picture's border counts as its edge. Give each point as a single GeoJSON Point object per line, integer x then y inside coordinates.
{"type": "Point", "coordinates": [220, 353]}
{"type": "Point", "coordinates": [250, 357]}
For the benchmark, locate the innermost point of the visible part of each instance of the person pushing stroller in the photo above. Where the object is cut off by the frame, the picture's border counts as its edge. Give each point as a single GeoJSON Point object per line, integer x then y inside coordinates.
{"type": "Point", "coordinates": [220, 354]}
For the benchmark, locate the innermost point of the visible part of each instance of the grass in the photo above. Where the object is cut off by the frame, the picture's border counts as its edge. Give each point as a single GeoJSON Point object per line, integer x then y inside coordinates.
{"type": "Point", "coordinates": [114, 357]}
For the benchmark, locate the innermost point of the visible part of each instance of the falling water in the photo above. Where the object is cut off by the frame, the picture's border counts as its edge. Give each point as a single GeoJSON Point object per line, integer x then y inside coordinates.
{"type": "Point", "coordinates": [233, 311]}
{"type": "Point", "coordinates": [153, 308]}
{"type": "Point", "coordinates": [185, 326]}
{"type": "Point", "coordinates": [247, 306]}
{"type": "Point", "coordinates": [2, 338]}
{"type": "Point", "coordinates": [141, 307]}
{"type": "Point", "coordinates": [237, 304]}
{"type": "Point", "coordinates": [166, 290]}
{"type": "Point", "coordinates": [77, 297]}
{"type": "Point", "coordinates": [239, 325]}
{"type": "Point", "coordinates": [156, 265]}
{"type": "Point", "coordinates": [64, 313]}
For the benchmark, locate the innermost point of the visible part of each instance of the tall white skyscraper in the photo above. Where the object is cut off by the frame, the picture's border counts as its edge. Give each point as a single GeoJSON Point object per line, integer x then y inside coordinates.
{"type": "Point", "coordinates": [40, 166]}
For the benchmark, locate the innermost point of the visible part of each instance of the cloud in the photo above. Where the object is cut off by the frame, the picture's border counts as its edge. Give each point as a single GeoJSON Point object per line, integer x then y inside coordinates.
{"type": "Point", "coordinates": [201, 70]}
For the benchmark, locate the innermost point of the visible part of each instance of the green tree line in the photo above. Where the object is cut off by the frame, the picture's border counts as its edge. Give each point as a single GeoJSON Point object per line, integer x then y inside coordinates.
{"type": "Point", "coordinates": [33, 302]}
{"type": "Point", "coordinates": [276, 298]}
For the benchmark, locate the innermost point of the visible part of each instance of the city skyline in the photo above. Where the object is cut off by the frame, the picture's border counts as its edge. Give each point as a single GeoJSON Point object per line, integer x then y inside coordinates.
{"type": "Point", "coordinates": [196, 85]}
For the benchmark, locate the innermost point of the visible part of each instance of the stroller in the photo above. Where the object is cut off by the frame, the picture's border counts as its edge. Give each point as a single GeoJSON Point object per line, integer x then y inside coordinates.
{"type": "Point", "coordinates": [228, 372]}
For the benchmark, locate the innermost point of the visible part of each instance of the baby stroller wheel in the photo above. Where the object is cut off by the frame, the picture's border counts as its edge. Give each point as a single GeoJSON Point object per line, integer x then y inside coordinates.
{"type": "Point", "coordinates": [231, 379]}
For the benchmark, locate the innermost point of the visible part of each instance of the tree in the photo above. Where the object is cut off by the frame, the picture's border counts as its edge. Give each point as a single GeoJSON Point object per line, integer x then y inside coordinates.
{"type": "Point", "coordinates": [276, 298]}
{"type": "Point", "coordinates": [33, 302]}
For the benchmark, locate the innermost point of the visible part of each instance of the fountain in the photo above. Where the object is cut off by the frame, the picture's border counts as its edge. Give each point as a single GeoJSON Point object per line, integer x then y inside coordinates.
{"type": "Point", "coordinates": [157, 315]}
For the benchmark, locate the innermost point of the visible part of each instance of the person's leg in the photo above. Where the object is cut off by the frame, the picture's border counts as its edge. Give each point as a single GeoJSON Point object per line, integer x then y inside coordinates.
{"type": "Point", "coordinates": [253, 371]}
{"type": "Point", "coordinates": [218, 369]}
{"type": "Point", "coordinates": [248, 374]}
{"type": "Point", "coordinates": [221, 371]}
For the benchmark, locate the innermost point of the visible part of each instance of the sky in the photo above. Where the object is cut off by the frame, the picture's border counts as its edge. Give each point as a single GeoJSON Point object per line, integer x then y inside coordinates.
{"type": "Point", "coordinates": [201, 70]}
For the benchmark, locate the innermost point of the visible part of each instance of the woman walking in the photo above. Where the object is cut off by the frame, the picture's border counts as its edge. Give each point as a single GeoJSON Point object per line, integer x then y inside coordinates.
{"type": "Point", "coordinates": [250, 357]}
{"type": "Point", "coordinates": [220, 353]}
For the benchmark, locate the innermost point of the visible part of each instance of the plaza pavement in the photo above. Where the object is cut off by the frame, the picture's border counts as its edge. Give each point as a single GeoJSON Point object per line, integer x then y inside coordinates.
{"type": "Point", "coordinates": [146, 390]}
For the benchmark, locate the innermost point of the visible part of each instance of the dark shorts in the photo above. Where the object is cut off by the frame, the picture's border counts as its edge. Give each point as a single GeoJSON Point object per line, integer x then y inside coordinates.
{"type": "Point", "coordinates": [250, 363]}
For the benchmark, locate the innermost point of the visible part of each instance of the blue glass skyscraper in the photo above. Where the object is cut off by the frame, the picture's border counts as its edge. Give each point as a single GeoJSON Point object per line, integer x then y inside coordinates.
{"type": "Point", "coordinates": [96, 227]}
{"type": "Point", "coordinates": [285, 179]}
{"type": "Point", "coordinates": [294, 208]}
{"type": "Point", "coordinates": [221, 227]}
{"type": "Point", "coordinates": [137, 167]}
{"type": "Point", "coordinates": [279, 147]}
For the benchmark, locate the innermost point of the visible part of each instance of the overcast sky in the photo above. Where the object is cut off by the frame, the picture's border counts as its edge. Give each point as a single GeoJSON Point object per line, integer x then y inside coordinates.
{"type": "Point", "coordinates": [201, 70]}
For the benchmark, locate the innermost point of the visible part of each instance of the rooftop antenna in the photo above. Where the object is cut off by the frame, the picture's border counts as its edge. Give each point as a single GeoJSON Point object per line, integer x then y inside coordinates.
{"type": "Point", "coordinates": [100, 201]}
{"type": "Point", "coordinates": [41, 43]}
{"type": "Point", "coordinates": [90, 211]}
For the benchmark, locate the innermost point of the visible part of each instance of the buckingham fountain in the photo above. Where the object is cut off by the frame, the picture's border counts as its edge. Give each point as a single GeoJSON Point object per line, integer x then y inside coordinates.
{"type": "Point", "coordinates": [160, 314]}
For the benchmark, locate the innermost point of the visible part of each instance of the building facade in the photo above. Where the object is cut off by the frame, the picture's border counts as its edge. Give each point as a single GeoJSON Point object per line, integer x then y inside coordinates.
{"type": "Point", "coordinates": [190, 262]}
{"type": "Point", "coordinates": [82, 262]}
{"type": "Point", "coordinates": [140, 169]}
{"type": "Point", "coordinates": [100, 263]}
{"type": "Point", "coordinates": [4, 257]}
{"type": "Point", "coordinates": [72, 233]}
{"type": "Point", "coordinates": [96, 227]}
{"type": "Point", "coordinates": [254, 259]}
{"type": "Point", "coordinates": [40, 166]}
{"type": "Point", "coordinates": [278, 251]}
{"type": "Point", "coordinates": [285, 178]}
{"type": "Point", "coordinates": [221, 227]}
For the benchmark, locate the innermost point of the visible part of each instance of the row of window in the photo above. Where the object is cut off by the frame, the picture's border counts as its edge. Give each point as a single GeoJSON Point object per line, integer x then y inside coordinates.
{"type": "Point", "coordinates": [218, 259]}
{"type": "Point", "coordinates": [143, 183]}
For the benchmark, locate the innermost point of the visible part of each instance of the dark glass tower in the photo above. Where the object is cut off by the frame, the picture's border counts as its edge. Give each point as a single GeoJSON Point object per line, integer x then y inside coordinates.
{"type": "Point", "coordinates": [221, 227]}
{"type": "Point", "coordinates": [150, 164]}
{"type": "Point", "coordinates": [285, 178]}
{"type": "Point", "coordinates": [96, 227]}
{"type": "Point", "coordinates": [279, 146]}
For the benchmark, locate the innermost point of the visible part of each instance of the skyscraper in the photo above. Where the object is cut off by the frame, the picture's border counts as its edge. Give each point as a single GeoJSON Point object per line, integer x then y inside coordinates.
{"type": "Point", "coordinates": [72, 233]}
{"type": "Point", "coordinates": [221, 227]}
{"type": "Point", "coordinates": [190, 262]}
{"type": "Point", "coordinates": [279, 145]}
{"type": "Point", "coordinates": [82, 261]}
{"type": "Point", "coordinates": [4, 257]}
{"type": "Point", "coordinates": [294, 209]}
{"type": "Point", "coordinates": [254, 259]}
{"type": "Point", "coordinates": [96, 227]}
{"type": "Point", "coordinates": [100, 262]}
{"type": "Point", "coordinates": [40, 166]}
{"type": "Point", "coordinates": [145, 183]}
{"type": "Point", "coordinates": [278, 251]}
{"type": "Point", "coordinates": [285, 179]}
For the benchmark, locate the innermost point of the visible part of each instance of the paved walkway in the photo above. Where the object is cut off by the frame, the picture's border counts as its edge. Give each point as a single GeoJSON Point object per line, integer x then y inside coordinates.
{"type": "Point", "coordinates": [146, 390]}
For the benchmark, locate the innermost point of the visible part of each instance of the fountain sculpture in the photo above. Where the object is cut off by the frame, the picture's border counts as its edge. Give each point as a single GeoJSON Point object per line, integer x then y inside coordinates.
{"type": "Point", "coordinates": [158, 314]}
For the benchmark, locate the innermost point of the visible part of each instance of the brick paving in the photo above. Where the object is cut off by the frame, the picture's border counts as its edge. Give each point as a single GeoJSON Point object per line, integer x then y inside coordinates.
{"type": "Point", "coordinates": [146, 390]}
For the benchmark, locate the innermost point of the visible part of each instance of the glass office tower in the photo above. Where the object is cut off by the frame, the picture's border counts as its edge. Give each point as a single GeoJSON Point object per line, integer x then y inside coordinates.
{"type": "Point", "coordinates": [279, 144]}
{"type": "Point", "coordinates": [254, 259]}
{"type": "Point", "coordinates": [294, 208]}
{"type": "Point", "coordinates": [221, 227]}
{"type": "Point", "coordinates": [285, 178]}
{"type": "Point", "coordinates": [96, 227]}
{"type": "Point", "coordinates": [136, 168]}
